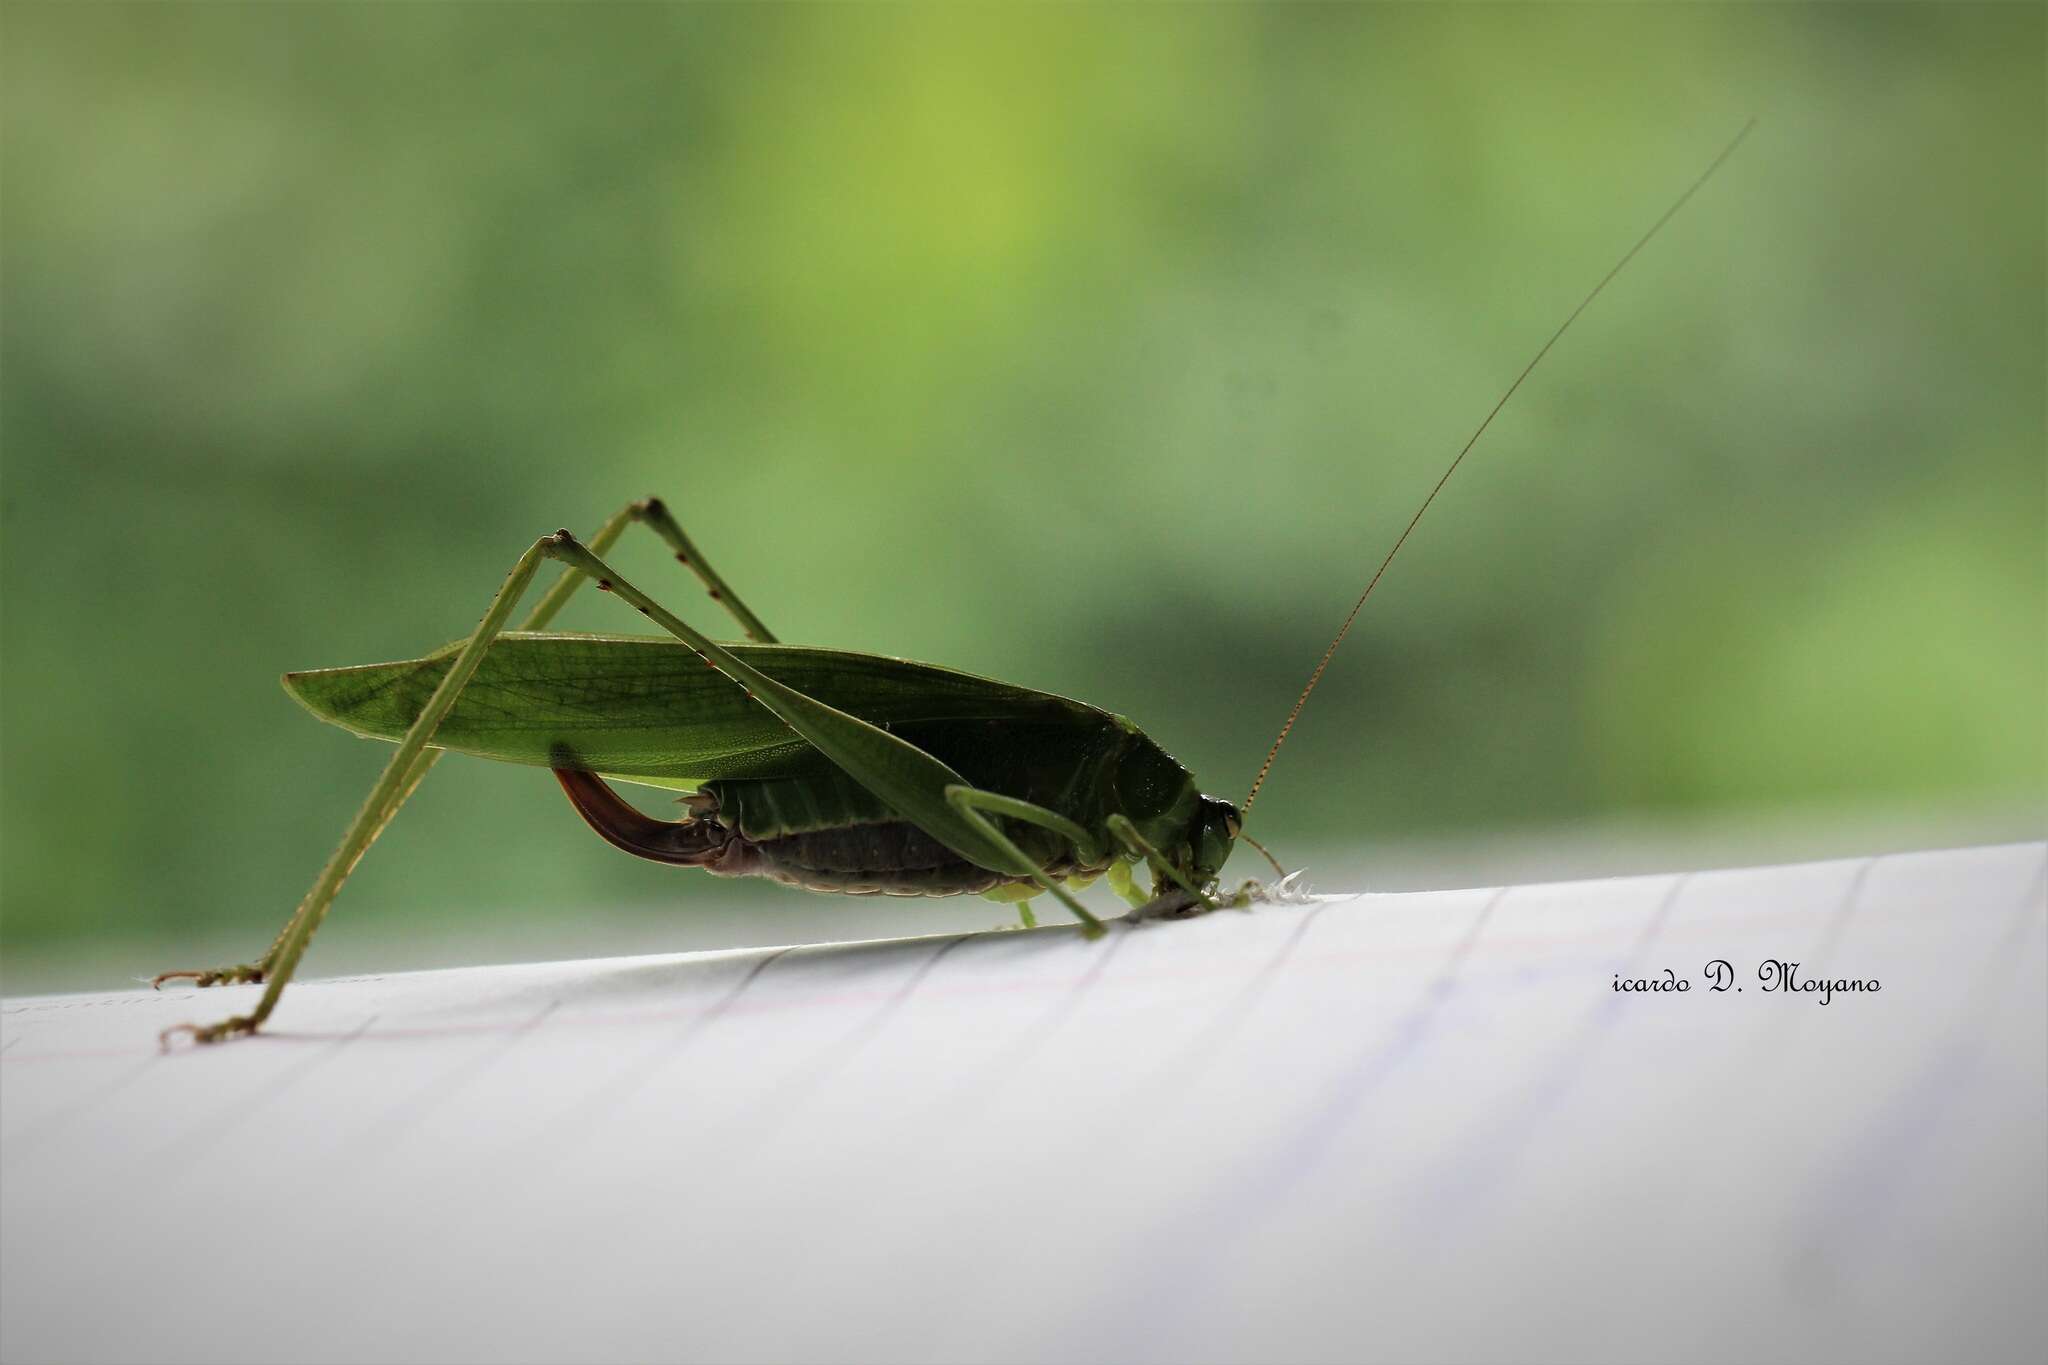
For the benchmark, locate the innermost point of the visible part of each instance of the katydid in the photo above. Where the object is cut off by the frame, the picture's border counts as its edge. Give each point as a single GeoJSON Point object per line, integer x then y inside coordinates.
{"type": "Point", "coordinates": [823, 769]}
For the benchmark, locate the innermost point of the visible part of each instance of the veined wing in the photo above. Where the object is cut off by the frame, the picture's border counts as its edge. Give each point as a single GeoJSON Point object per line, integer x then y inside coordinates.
{"type": "Point", "coordinates": [648, 710]}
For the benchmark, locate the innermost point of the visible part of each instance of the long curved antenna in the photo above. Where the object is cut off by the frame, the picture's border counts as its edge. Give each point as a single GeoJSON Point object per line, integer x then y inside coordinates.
{"type": "Point", "coordinates": [1265, 853]}
{"type": "Point", "coordinates": [1563, 327]}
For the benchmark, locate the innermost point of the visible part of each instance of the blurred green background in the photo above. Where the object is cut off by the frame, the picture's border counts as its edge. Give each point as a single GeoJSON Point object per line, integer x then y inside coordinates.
{"type": "Point", "coordinates": [1104, 350]}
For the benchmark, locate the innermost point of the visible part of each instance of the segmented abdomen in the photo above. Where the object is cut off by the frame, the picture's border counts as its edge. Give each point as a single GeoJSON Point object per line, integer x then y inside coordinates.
{"type": "Point", "coordinates": [825, 832]}
{"type": "Point", "coordinates": [894, 859]}
{"type": "Point", "coordinates": [828, 833]}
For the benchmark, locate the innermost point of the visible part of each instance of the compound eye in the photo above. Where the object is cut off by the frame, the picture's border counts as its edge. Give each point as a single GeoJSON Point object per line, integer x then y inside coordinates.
{"type": "Point", "coordinates": [1232, 826]}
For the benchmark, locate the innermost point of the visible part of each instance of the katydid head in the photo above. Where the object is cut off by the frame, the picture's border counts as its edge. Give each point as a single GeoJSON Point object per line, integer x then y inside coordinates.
{"type": "Point", "coordinates": [1213, 834]}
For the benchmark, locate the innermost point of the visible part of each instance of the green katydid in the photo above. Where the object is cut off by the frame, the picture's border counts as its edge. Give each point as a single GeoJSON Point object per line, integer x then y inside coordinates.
{"type": "Point", "coordinates": [824, 769]}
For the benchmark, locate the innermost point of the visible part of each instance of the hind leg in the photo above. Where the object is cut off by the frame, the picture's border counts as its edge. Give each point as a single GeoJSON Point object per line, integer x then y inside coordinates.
{"type": "Point", "coordinates": [649, 512]}
{"type": "Point", "coordinates": [399, 782]}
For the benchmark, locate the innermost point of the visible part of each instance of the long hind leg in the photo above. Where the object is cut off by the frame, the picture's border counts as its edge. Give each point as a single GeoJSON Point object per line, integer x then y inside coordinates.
{"type": "Point", "coordinates": [653, 513]}
{"type": "Point", "coordinates": [391, 793]}
{"type": "Point", "coordinates": [904, 776]}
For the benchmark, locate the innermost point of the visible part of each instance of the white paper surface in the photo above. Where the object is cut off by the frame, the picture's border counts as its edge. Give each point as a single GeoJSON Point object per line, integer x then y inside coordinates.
{"type": "Point", "coordinates": [1393, 1127]}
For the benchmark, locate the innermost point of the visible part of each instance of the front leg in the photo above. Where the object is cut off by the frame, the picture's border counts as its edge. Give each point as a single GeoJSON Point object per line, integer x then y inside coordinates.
{"type": "Point", "coordinates": [1173, 903]}
{"type": "Point", "coordinates": [1163, 869]}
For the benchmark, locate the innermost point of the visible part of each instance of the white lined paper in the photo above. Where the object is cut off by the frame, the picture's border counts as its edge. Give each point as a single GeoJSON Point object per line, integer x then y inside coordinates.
{"type": "Point", "coordinates": [1414, 1126]}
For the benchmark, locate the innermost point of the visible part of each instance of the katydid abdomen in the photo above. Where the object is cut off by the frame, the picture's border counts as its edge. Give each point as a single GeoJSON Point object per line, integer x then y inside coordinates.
{"type": "Point", "coordinates": [814, 833]}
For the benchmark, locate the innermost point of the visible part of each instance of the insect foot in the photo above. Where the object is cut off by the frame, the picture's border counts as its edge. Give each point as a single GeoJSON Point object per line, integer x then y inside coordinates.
{"type": "Point", "coordinates": [211, 1033]}
{"type": "Point", "coordinates": [1289, 890]}
{"type": "Point", "coordinates": [1245, 897]}
{"type": "Point", "coordinates": [247, 972]}
{"type": "Point", "coordinates": [1171, 904]}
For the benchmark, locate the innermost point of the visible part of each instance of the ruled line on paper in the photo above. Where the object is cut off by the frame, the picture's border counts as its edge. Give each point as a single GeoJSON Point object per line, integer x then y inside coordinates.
{"type": "Point", "coordinates": [1864, 1185]}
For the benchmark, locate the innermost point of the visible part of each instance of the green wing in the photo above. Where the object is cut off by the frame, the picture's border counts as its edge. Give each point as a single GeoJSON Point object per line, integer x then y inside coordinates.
{"type": "Point", "coordinates": [649, 710]}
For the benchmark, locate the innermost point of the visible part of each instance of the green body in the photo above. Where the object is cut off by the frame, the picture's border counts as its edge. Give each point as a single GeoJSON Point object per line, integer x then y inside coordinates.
{"type": "Point", "coordinates": [647, 710]}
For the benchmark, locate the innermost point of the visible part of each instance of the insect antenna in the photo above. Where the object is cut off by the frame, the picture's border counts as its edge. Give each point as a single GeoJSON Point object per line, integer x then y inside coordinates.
{"type": "Point", "coordinates": [1563, 327]}
{"type": "Point", "coordinates": [1264, 852]}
